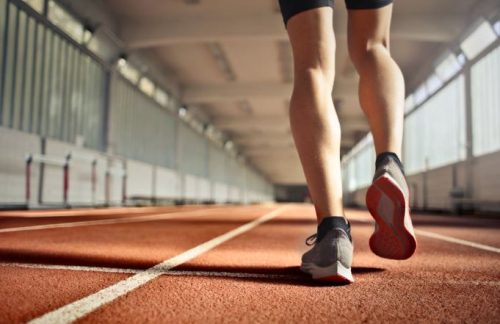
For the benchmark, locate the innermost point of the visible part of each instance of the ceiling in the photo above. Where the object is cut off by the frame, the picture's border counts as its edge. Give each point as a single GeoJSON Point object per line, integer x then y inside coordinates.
{"type": "Point", "coordinates": [232, 63]}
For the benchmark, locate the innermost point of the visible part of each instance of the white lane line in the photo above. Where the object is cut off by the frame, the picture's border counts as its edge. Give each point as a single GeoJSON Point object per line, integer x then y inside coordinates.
{"type": "Point", "coordinates": [68, 267]}
{"type": "Point", "coordinates": [457, 241]}
{"type": "Point", "coordinates": [73, 311]}
{"type": "Point", "coordinates": [225, 274]}
{"type": "Point", "coordinates": [121, 220]}
{"type": "Point", "coordinates": [240, 275]}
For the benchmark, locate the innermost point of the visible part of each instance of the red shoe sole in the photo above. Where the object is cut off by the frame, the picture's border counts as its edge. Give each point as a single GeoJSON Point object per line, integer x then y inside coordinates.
{"type": "Point", "coordinates": [393, 238]}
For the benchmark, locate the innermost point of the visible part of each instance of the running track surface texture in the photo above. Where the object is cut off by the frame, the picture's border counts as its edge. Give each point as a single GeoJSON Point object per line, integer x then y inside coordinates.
{"type": "Point", "coordinates": [235, 264]}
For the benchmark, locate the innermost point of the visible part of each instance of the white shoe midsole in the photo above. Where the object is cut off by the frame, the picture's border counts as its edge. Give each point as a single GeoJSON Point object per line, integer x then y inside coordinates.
{"type": "Point", "coordinates": [336, 269]}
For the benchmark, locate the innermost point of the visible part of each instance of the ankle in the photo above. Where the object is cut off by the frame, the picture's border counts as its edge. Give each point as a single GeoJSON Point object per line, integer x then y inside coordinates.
{"type": "Point", "coordinates": [387, 157]}
{"type": "Point", "coordinates": [330, 222]}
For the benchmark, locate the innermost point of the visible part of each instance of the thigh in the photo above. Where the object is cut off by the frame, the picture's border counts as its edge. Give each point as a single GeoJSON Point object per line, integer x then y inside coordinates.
{"type": "Point", "coordinates": [368, 27]}
{"type": "Point", "coordinates": [312, 39]}
{"type": "Point", "coordinates": [290, 8]}
{"type": "Point", "coordinates": [366, 4]}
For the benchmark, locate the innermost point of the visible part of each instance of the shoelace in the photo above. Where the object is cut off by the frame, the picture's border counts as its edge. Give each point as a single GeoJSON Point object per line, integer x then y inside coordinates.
{"type": "Point", "coordinates": [311, 240]}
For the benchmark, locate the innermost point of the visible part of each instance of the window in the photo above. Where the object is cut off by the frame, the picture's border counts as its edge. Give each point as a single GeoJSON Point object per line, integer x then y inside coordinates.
{"type": "Point", "coordinates": [420, 95]}
{"type": "Point", "coordinates": [9, 67]}
{"type": "Point", "coordinates": [478, 40]}
{"type": "Point", "coordinates": [161, 97]}
{"type": "Point", "coordinates": [36, 4]}
{"type": "Point", "coordinates": [359, 165]}
{"type": "Point", "coordinates": [485, 82]}
{"type": "Point", "coordinates": [62, 19]}
{"type": "Point", "coordinates": [448, 67]}
{"type": "Point", "coordinates": [433, 84]}
{"type": "Point", "coordinates": [147, 86]}
{"type": "Point", "coordinates": [128, 71]}
{"type": "Point", "coordinates": [3, 17]}
{"type": "Point", "coordinates": [435, 132]}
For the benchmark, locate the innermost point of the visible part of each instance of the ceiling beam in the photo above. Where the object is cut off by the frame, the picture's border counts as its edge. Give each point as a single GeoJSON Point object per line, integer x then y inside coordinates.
{"type": "Point", "coordinates": [271, 151]}
{"type": "Point", "coordinates": [248, 123]}
{"type": "Point", "coordinates": [168, 31]}
{"type": "Point", "coordinates": [237, 91]}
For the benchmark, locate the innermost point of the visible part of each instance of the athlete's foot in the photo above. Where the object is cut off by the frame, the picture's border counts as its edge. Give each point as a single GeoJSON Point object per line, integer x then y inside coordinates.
{"type": "Point", "coordinates": [330, 258]}
{"type": "Point", "coordinates": [387, 200]}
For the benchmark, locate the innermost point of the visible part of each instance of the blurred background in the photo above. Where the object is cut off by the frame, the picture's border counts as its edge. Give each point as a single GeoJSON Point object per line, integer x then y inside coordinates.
{"type": "Point", "coordinates": [123, 102]}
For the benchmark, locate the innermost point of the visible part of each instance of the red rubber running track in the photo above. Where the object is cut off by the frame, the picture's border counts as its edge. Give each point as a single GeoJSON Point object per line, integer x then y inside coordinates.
{"type": "Point", "coordinates": [212, 264]}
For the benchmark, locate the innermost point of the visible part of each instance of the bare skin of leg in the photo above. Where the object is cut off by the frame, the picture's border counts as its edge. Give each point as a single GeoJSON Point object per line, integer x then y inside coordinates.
{"type": "Point", "coordinates": [313, 119]}
{"type": "Point", "coordinates": [381, 85]}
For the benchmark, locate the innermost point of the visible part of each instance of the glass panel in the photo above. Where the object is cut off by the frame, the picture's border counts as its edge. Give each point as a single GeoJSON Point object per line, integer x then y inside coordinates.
{"type": "Point", "coordinates": [77, 95]}
{"type": "Point", "coordinates": [3, 25]}
{"type": "Point", "coordinates": [485, 82]}
{"type": "Point", "coordinates": [128, 71]}
{"type": "Point", "coordinates": [135, 120]}
{"type": "Point", "coordinates": [10, 63]}
{"type": "Point", "coordinates": [36, 4]}
{"type": "Point", "coordinates": [18, 78]}
{"type": "Point", "coordinates": [435, 133]}
{"type": "Point", "coordinates": [478, 40]}
{"type": "Point", "coordinates": [64, 88]}
{"type": "Point", "coordinates": [27, 109]}
{"type": "Point", "coordinates": [433, 83]}
{"type": "Point", "coordinates": [46, 83]}
{"type": "Point", "coordinates": [62, 19]}
{"type": "Point", "coordinates": [55, 107]}
{"type": "Point", "coordinates": [70, 94]}
{"type": "Point", "coordinates": [448, 67]}
{"type": "Point", "coordinates": [36, 100]}
{"type": "Point", "coordinates": [161, 97]}
{"type": "Point", "coordinates": [147, 86]}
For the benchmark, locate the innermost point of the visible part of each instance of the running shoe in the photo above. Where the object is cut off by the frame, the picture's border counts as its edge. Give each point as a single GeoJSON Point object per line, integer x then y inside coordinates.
{"type": "Point", "coordinates": [387, 200]}
{"type": "Point", "coordinates": [330, 258]}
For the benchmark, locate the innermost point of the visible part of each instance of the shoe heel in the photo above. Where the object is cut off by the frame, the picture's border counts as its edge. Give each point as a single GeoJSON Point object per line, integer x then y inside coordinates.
{"type": "Point", "coordinates": [393, 237]}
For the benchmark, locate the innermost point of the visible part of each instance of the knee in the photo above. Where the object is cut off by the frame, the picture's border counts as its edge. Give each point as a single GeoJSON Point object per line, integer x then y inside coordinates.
{"type": "Point", "coordinates": [317, 78]}
{"type": "Point", "coordinates": [364, 52]}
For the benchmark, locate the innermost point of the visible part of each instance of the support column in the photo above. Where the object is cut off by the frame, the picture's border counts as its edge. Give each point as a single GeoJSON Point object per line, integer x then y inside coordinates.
{"type": "Point", "coordinates": [469, 140]}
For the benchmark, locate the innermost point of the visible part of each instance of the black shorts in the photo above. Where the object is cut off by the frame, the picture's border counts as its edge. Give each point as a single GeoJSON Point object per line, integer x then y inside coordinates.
{"type": "Point", "coordinates": [290, 8]}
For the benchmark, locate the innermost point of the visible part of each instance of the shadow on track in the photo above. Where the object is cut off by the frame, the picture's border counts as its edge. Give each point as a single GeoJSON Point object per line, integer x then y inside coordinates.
{"type": "Point", "coordinates": [270, 275]}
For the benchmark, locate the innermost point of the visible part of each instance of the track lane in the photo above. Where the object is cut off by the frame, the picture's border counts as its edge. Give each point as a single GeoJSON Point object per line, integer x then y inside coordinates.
{"type": "Point", "coordinates": [29, 293]}
{"type": "Point", "coordinates": [130, 245]}
{"type": "Point", "coordinates": [84, 306]}
{"type": "Point", "coordinates": [443, 282]}
{"type": "Point", "coordinates": [29, 219]}
{"type": "Point", "coordinates": [257, 269]}
{"type": "Point", "coordinates": [126, 246]}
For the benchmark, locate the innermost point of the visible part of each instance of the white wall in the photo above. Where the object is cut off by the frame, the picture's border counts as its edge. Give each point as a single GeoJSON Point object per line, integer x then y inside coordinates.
{"type": "Point", "coordinates": [14, 147]}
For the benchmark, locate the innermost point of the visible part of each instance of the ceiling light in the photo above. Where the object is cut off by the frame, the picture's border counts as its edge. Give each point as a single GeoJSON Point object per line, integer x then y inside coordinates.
{"type": "Point", "coordinates": [161, 97]}
{"type": "Point", "coordinates": [228, 145]}
{"type": "Point", "coordinates": [147, 86]}
{"type": "Point", "coordinates": [87, 36]}
{"type": "Point", "coordinates": [478, 40]}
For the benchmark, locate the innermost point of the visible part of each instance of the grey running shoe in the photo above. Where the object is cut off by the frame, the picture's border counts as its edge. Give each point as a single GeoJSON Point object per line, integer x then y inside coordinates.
{"type": "Point", "coordinates": [330, 258]}
{"type": "Point", "coordinates": [387, 200]}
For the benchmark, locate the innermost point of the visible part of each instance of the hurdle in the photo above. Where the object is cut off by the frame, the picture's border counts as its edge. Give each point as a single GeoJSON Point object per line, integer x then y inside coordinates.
{"type": "Point", "coordinates": [115, 171]}
{"type": "Point", "coordinates": [51, 161]}
{"type": "Point", "coordinates": [65, 164]}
